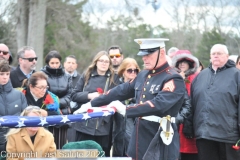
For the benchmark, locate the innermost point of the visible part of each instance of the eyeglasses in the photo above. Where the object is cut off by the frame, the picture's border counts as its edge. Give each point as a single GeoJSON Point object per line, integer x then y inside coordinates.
{"type": "Point", "coordinates": [132, 71]}
{"type": "Point", "coordinates": [103, 61]}
{"type": "Point", "coordinates": [4, 52]}
{"type": "Point", "coordinates": [116, 55]}
{"type": "Point", "coordinates": [30, 59]}
{"type": "Point", "coordinates": [42, 87]}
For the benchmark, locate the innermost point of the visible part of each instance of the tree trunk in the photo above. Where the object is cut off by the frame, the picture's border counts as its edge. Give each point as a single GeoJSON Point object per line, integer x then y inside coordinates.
{"type": "Point", "coordinates": [22, 22]}
{"type": "Point", "coordinates": [36, 28]}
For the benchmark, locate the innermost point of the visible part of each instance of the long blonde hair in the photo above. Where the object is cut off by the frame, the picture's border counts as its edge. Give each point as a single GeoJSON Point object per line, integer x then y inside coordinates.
{"type": "Point", "coordinates": [25, 112]}
{"type": "Point", "coordinates": [93, 66]}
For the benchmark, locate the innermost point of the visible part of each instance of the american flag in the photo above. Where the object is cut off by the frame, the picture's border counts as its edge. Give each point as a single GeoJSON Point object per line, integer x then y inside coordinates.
{"type": "Point", "coordinates": [25, 121]}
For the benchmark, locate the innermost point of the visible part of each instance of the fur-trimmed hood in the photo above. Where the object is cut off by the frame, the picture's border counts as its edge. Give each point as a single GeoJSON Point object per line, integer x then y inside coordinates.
{"type": "Point", "coordinates": [186, 55]}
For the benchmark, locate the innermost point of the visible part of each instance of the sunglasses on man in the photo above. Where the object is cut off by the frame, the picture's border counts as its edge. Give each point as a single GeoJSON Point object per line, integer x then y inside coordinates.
{"type": "Point", "coordinates": [30, 59]}
{"type": "Point", "coordinates": [115, 55]}
{"type": "Point", "coordinates": [132, 71]}
{"type": "Point", "coordinates": [4, 52]}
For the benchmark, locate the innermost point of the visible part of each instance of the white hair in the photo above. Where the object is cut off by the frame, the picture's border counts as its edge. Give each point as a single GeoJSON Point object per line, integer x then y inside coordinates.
{"type": "Point", "coordinates": [222, 46]}
{"type": "Point", "coordinates": [171, 50]}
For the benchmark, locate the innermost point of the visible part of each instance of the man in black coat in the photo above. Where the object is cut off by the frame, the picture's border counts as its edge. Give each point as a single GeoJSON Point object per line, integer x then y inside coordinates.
{"type": "Point", "coordinates": [27, 60]}
{"type": "Point", "coordinates": [159, 92]}
{"type": "Point", "coordinates": [70, 67]}
{"type": "Point", "coordinates": [215, 95]}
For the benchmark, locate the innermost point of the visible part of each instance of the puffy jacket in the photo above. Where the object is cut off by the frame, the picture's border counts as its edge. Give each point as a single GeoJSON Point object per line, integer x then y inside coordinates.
{"type": "Point", "coordinates": [60, 84]}
{"type": "Point", "coordinates": [216, 104]}
{"type": "Point", "coordinates": [12, 102]}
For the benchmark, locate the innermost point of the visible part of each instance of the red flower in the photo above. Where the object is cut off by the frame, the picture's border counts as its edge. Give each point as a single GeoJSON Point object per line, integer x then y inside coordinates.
{"type": "Point", "coordinates": [100, 90]}
{"type": "Point", "coordinates": [24, 91]}
{"type": "Point", "coordinates": [236, 147]}
{"type": "Point", "coordinates": [48, 100]}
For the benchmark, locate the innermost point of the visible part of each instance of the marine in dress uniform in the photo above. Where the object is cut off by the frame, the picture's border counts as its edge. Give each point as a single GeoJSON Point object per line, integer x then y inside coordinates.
{"type": "Point", "coordinates": [159, 91]}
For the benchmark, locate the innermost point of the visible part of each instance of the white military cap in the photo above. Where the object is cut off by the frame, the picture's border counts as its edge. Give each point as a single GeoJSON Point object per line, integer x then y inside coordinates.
{"type": "Point", "coordinates": [150, 45]}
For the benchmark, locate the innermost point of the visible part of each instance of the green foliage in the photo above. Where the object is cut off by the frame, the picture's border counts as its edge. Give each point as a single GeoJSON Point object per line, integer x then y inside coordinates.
{"type": "Point", "coordinates": [208, 40]}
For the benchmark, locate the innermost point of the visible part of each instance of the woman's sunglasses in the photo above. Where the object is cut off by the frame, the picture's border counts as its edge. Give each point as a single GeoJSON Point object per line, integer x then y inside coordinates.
{"type": "Point", "coordinates": [132, 71]}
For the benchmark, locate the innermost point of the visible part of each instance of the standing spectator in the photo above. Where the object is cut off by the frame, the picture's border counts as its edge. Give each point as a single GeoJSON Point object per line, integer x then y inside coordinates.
{"type": "Point", "coordinates": [116, 55]}
{"type": "Point", "coordinates": [238, 62]}
{"type": "Point", "coordinates": [59, 84]}
{"type": "Point", "coordinates": [70, 66]}
{"type": "Point", "coordinates": [12, 102]}
{"type": "Point", "coordinates": [187, 65]}
{"type": "Point", "coordinates": [123, 126]}
{"type": "Point", "coordinates": [30, 142]}
{"type": "Point", "coordinates": [6, 54]}
{"type": "Point", "coordinates": [99, 74]}
{"type": "Point", "coordinates": [27, 60]}
{"type": "Point", "coordinates": [159, 91]}
{"type": "Point", "coordinates": [216, 105]}
{"type": "Point", "coordinates": [172, 51]}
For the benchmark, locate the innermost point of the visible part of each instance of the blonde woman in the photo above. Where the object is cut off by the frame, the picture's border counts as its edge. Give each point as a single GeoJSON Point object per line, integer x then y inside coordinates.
{"type": "Point", "coordinates": [30, 142]}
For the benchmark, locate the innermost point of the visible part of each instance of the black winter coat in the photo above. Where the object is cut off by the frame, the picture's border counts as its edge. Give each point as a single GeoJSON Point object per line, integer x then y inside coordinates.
{"type": "Point", "coordinates": [60, 84]}
{"type": "Point", "coordinates": [12, 102]}
{"type": "Point", "coordinates": [215, 97]}
{"type": "Point", "coordinates": [17, 77]}
{"type": "Point", "coordinates": [98, 126]}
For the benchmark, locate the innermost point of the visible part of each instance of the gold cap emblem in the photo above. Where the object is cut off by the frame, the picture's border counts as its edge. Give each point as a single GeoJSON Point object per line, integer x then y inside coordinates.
{"type": "Point", "coordinates": [139, 42]}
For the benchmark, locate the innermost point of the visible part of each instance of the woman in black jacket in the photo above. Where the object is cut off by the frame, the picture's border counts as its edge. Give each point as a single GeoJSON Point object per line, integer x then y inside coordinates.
{"type": "Point", "coordinates": [98, 78]}
{"type": "Point", "coordinates": [60, 85]}
{"type": "Point", "coordinates": [123, 126]}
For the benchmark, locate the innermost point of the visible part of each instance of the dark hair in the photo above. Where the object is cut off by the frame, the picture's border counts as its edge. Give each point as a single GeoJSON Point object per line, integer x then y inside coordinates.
{"type": "Point", "coordinates": [237, 59]}
{"type": "Point", "coordinates": [200, 64]}
{"type": "Point", "coordinates": [34, 78]}
{"type": "Point", "coordinates": [22, 50]}
{"type": "Point", "coordinates": [70, 56]}
{"type": "Point", "coordinates": [190, 63]}
{"type": "Point", "coordinates": [52, 54]}
{"type": "Point", "coordinates": [4, 66]}
{"type": "Point", "coordinates": [115, 47]}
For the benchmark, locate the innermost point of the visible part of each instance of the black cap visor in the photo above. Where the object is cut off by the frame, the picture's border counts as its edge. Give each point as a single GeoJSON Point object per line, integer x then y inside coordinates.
{"type": "Point", "coordinates": [144, 52]}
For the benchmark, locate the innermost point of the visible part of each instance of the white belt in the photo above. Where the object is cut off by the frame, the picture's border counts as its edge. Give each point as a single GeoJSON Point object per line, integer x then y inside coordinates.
{"type": "Point", "coordinates": [156, 119]}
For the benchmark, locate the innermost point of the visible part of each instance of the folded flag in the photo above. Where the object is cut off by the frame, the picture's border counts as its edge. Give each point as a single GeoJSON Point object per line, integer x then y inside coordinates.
{"type": "Point", "coordinates": [25, 121]}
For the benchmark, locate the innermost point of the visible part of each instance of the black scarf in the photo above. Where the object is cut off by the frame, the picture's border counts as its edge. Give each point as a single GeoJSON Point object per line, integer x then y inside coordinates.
{"type": "Point", "coordinates": [31, 100]}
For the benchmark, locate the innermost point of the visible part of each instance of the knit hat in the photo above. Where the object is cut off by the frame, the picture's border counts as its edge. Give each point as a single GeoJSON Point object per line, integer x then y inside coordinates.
{"type": "Point", "coordinates": [185, 55]}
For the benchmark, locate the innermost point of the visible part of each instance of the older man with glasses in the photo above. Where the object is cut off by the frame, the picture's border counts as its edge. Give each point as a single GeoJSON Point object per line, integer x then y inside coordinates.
{"type": "Point", "coordinates": [5, 54]}
{"type": "Point", "coordinates": [116, 55]}
{"type": "Point", "coordinates": [27, 60]}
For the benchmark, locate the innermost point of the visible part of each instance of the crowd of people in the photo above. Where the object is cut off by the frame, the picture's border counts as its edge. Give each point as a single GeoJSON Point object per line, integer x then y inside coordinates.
{"type": "Point", "coordinates": [172, 108]}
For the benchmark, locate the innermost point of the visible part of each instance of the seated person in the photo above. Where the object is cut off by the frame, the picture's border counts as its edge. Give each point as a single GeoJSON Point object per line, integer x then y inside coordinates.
{"type": "Point", "coordinates": [30, 142]}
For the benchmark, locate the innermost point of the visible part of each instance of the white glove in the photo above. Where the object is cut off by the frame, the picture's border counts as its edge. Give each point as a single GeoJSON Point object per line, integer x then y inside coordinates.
{"type": "Point", "coordinates": [83, 108]}
{"type": "Point", "coordinates": [120, 108]}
